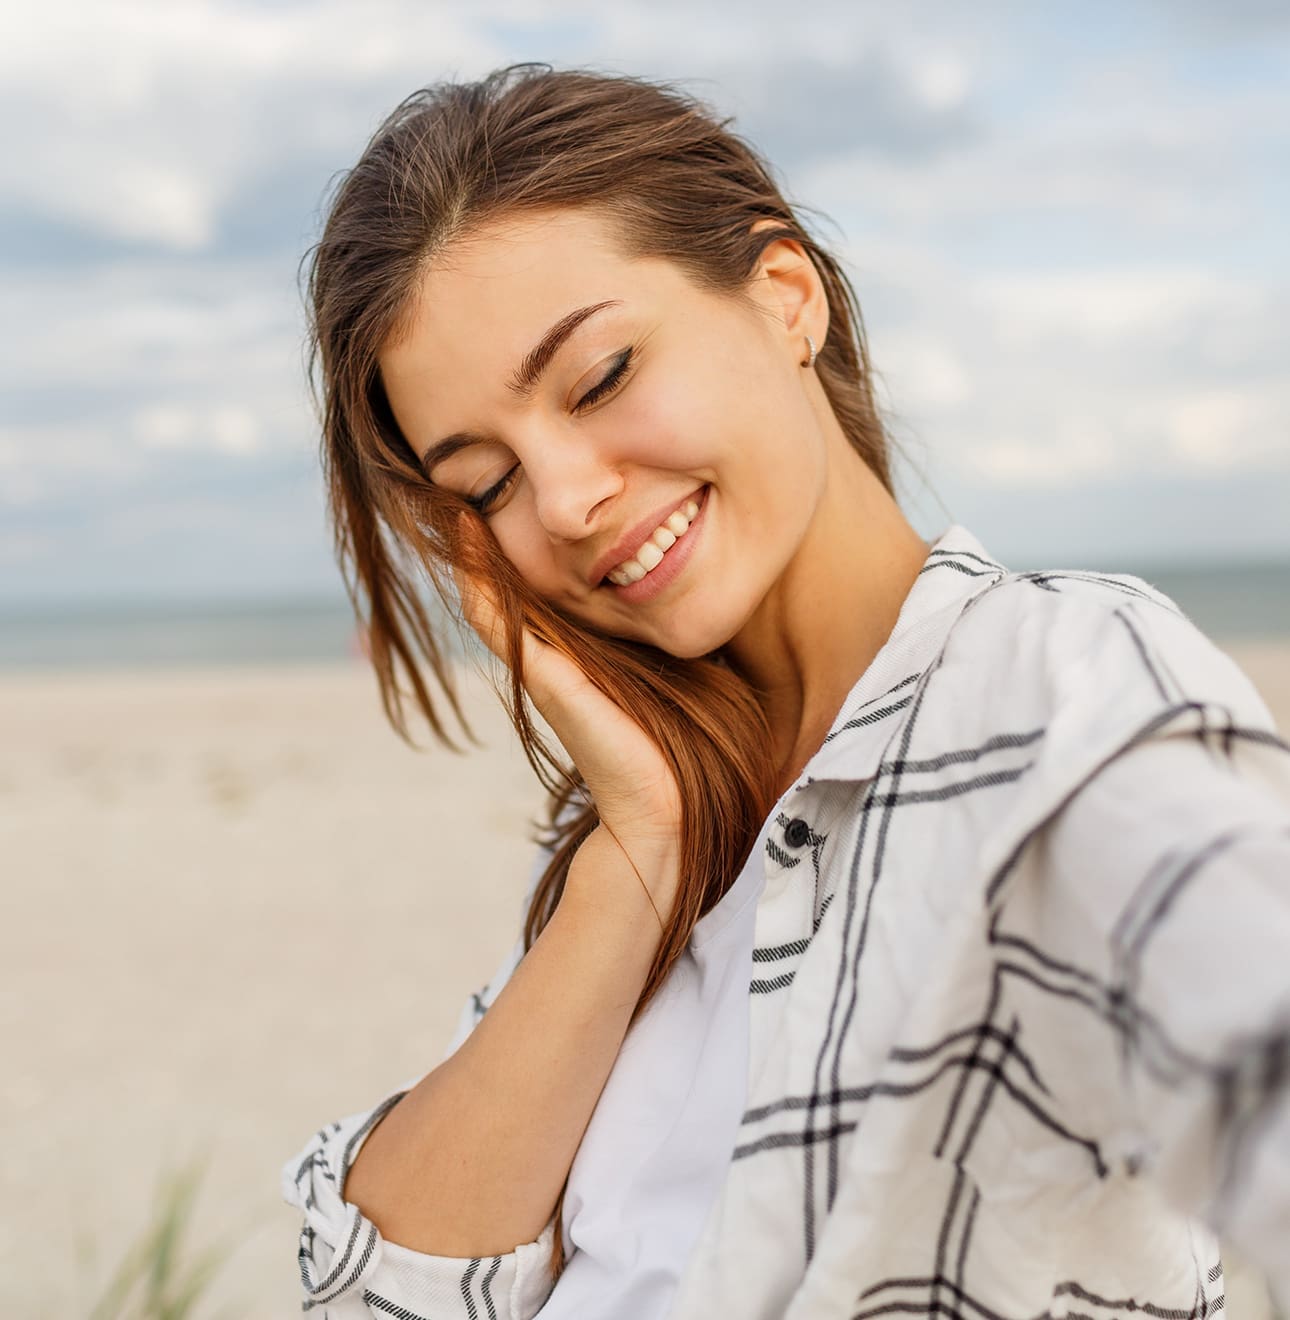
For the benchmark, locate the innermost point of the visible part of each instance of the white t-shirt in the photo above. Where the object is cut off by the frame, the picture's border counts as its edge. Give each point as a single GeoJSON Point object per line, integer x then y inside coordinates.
{"type": "Point", "coordinates": [659, 1142]}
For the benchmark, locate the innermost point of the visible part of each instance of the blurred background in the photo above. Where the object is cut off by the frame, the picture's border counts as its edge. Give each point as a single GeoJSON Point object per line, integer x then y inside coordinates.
{"type": "Point", "coordinates": [235, 904]}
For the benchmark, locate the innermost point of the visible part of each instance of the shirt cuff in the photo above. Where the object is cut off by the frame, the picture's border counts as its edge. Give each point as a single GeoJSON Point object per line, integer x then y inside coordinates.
{"type": "Point", "coordinates": [347, 1267]}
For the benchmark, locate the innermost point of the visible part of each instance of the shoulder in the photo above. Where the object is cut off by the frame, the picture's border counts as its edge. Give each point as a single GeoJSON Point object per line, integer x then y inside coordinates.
{"type": "Point", "coordinates": [1083, 667]}
{"type": "Point", "coordinates": [1110, 641]}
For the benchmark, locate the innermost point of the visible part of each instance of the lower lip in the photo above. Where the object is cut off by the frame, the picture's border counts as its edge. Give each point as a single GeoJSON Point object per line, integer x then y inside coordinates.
{"type": "Point", "coordinates": [660, 578]}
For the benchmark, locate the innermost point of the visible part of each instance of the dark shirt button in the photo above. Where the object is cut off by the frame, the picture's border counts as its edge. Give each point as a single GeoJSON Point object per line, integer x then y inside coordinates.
{"type": "Point", "coordinates": [796, 832]}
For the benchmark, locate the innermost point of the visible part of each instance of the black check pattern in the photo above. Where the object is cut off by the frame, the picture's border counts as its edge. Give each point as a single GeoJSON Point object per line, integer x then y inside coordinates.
{"type": "Point", "coordinates": [934, 1158]}
{"type": "Point", "coordinates": [977, 1060]}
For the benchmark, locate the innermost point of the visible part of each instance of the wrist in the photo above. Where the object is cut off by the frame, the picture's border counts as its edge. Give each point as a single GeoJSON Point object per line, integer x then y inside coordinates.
{"type": "Point", "coordinates": [632, 875]}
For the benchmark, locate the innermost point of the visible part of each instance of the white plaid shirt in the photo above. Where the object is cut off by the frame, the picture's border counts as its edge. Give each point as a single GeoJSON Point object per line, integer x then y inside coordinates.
{"type": "Point", "coordinates": [1019, 1011]}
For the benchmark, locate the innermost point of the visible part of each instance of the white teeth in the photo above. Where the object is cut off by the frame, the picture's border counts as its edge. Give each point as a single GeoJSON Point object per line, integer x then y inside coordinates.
{"type": "Point", "coordinates": [622, 575]}
{"type": "Point", "coordinates": [650, 555]}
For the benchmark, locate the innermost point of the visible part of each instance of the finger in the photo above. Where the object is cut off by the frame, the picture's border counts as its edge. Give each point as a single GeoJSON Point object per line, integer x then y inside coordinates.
{"type": "Point", "coordinates": [480, 603]}
{"type": "Point", "coordinates": [479, 610]}
{"type": "Point", "coordinates": [482, 611]}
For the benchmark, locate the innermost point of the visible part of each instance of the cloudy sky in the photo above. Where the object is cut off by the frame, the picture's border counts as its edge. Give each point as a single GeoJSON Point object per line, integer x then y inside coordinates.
{"type": "Point", "coordinates": [1066, 224]}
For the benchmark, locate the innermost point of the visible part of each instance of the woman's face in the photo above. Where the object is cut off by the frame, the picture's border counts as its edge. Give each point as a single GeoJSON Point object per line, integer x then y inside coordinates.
{"type": "Point", "coordinates": [659, 466]}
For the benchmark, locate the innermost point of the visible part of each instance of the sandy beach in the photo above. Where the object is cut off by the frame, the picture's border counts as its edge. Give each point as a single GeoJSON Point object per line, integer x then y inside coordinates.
{"type": "Point", "coordinates": [235, 907]}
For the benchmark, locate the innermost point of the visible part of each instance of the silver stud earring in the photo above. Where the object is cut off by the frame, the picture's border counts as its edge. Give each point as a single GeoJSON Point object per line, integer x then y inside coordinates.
{"type": "Point", "coordinates": [810, 361]}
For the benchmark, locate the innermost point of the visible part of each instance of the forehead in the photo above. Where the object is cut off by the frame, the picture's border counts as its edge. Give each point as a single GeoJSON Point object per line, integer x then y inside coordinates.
{"type": "Point", "coordinates": [505, 283]}
{"type": "Point", "coordinates": [483, 304]}
{"type": "Point", "coordinates": [519, 246]}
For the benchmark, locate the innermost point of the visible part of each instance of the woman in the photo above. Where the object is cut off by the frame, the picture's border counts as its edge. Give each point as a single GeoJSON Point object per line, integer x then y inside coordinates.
{"type": "Point", "coordinates": [910, 934]}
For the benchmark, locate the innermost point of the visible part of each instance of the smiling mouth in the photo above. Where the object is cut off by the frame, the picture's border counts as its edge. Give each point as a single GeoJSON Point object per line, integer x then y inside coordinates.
{"type": "Point", "coordinates": [655, 547]}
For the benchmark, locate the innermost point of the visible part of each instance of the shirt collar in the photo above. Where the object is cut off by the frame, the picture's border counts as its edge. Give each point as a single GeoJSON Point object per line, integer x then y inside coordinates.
{"type": "Point", "coordinates": [957, 568]}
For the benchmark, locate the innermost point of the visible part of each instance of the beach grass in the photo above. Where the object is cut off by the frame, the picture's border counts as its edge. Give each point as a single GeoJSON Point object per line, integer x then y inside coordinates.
{"type": "Point", "coordinates": [163, 1274]}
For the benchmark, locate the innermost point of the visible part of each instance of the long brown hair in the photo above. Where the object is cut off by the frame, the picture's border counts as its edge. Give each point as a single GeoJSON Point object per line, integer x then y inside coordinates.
{"type": "Point", "coordinates": [676, 183]}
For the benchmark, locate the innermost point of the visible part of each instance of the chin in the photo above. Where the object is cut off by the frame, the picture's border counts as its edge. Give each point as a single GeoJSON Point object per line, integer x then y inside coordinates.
{"type": "Point", "coordinates": [690, 631]}
{"type": "Point", "coordinates": [702, 638]}
{"type": "Point", "coordinates": [694, 651]}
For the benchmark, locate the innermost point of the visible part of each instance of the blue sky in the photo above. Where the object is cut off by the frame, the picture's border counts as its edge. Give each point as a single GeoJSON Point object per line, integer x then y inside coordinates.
{"type": "Point", "coordinates": [1066, 225]}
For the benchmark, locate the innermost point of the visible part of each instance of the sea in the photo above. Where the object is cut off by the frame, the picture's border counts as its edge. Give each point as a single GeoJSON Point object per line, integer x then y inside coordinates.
{"type": "Point", "coordinates": [1230, 602]}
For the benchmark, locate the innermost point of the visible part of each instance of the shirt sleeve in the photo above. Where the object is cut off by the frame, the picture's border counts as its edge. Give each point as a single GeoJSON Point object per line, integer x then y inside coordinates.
{"type": "Point", "coordinates": [349, 1271]}
{"type": "Point", "coordinates": [1163, 898]}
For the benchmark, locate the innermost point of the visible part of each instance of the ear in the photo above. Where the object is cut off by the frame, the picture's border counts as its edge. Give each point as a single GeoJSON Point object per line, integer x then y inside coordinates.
{"type": "Point", "coordinates": [788, 283]}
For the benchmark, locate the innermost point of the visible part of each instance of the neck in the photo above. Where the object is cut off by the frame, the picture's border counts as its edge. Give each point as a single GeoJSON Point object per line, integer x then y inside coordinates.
{"type": "Point", "coordinates": [830, 612]}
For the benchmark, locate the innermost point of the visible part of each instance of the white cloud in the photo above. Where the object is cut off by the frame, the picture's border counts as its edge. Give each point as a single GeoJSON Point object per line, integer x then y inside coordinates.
{"type": "Point", "coordinates": [1057, 245]}
{"type": "Point", "coordinates": [1043, 379]}
{"type": "Point", "coordinates": [120, 361]}
{"type": "Point", "coordinates": [165, 426]}
{"type": "Point", "coordinates": [19, 488]}
{"type": "Point", "coordinates": [234, 430]}
{"type": "Point", "coordinates": [1221, 429]}
{"type": "Point", "coordinates": [224, 428]}
{"type": "Point", "coordinates": [1122, 146]}
{"type": "Point", "coordinates": [929, 367]}
{"type": "Point", "coordinates": [152, 114]}
{"type": "Point", "coordinates": [941, 79]}
{"type": "Point", "coordinates": [1114, 308]}
{"type": "Point", "coordinates": [1075, 449]}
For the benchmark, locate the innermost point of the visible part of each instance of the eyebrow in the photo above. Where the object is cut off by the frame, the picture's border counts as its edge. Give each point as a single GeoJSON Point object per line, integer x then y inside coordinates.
{"type": "Point", "coordinates": [523, 382]}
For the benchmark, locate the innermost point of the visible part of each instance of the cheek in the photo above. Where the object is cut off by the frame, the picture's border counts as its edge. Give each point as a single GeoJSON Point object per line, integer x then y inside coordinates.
{"type": "Point", "coordinates": [656, 428]}
{"type": "Point", "coordinates": [687, 421]}
{"type": "Point", "coordinates": [523, 543]}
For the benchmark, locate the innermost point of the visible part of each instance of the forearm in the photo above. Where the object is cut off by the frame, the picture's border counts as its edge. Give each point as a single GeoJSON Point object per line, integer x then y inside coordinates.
{"type": "Point", "coordinates": [470, 1162]}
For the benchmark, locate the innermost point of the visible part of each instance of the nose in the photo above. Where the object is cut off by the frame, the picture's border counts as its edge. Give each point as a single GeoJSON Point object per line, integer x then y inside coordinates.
{"type": "Point", "coordinates": [572, 484]}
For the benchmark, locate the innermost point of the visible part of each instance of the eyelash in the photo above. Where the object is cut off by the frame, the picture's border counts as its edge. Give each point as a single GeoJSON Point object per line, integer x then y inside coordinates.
{"type": "Point", "coordinates": [610, 383]}
{"type": "Point", "coordinates": [482, 502]}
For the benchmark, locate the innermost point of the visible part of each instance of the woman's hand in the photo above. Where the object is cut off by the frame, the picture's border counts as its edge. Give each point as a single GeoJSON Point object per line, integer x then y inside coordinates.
{"type": "Point", "coordinates": [627, 775]}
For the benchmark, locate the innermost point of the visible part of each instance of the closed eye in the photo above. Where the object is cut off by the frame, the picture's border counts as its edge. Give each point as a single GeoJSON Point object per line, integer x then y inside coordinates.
{"type": "Point", "coordinates": [609, 383]}
{"type": "Point", "coordinates": [617, 374]}
{"type": "Point", "coordinates": [482, 502]}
